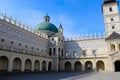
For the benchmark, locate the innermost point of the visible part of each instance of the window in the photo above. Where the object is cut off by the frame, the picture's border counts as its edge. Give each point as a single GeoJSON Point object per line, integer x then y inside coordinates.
{"type": "Point", "coordinates": [50, 51]}
{"type": "Point", "coordinates": [113, 27]}
{"type": "Point", "coordinates": [112, 19]}
{"type": "Point", "coordinates": [54, 51]}
{"type": "Point", "coordinates": [26, 46]}
{"type": "Point", "coordinates": [94, 52]}
{"type": "Point", "coordinates": [11, 42]}
{"type": "Point", "coordinates": [32, 47]}
{"type": "Point", "coordinates": [84, 52]}
{"type": "Point", "coordinates": [42, 50]}
{"type": "Point", "coordinates": [110, 9]}
{"type": "Point", "coordinates": [52, 39]}
{"type": "Point", "coordinates": [59, 39]}
{"type": "Point", "coordinates": [66, 54]}
{"type": "Point", "coordinates": [37, 49]}
{"type": "Point", "coordinates": [62, 52]}
{"type": "Point", "coordinates": [2, 40]}
{"type": "Point", "coordinates": [62, 41]}
{"type": "Point", "coordinates": [75, 54]}
{"type": "Point", "coordinates": [112, 47]}
{"type": "Point", "coordinates": [19, 44]}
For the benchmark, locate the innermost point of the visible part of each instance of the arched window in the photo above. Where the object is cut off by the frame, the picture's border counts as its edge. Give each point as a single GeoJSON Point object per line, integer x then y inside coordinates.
{"type": "Point", "coordinates": [54, 51]}
{"type": "Point", "coordinates": [50, 51]}
{"type": "Point", "coordinates": [112, 47]}
{"type": "Point", "coordinates": [110, 9]}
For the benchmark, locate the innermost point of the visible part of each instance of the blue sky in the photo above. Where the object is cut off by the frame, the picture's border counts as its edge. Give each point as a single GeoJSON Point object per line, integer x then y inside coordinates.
{"type": "Point", "coordinates": [77, 16]}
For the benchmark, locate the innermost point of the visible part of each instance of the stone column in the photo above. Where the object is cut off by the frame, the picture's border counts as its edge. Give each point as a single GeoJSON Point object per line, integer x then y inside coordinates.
{"type": "Point", "coordinates": [10, 63]}
{"type": "Point", "coordinates": [83, 66]}
{"type": "Point", "coordinates": [46, 66]}
{"type": "Point", "coordinates": [72, 66]}
{"type": "Point", "coordinates": [41, 66]}
{"type": "Point", "coordinates": [94, 65]}
{"type": "Point", "coordinates": [22, 65]}
{"type": "Point", "coordinates": [32, 65]}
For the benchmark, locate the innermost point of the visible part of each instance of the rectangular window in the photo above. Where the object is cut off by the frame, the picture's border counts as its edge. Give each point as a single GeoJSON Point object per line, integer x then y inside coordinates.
{"type": "Point", "coordinates": [84, 52]}
{"type": "Point", "coordinates": [94, 52]}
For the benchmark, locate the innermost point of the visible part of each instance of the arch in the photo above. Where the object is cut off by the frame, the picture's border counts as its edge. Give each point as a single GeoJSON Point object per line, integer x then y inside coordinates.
{"type": "Point", "coordinates": [3, 63]}
{"type": "Point", "coordinates": [36, 65]}
{"type": "Point", "coordinates": [67, 66]}
{"type": "Point", "coordinates": [100, 66]}
{"type": "Point", "coordinates": [117, 66]}
{"type": "Point", "coordinates": [28, 64]}
{"type": "Point", "coordinates": [50, 66]}
{"type": "Point", "coordinates": [88, 66]}
{"type": "Point", "coordinates": [16, 64]}
{"type": "Point", "coordinates": [112, 47]}
{"type": "Point", "coordinates": [44, 66]}
{"type": "Point", "coordinates": [77, 66]}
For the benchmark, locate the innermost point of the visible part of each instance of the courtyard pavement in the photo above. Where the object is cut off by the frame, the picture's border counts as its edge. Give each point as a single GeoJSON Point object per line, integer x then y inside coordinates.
{"type": "Point", "coordinates": [61, 76]}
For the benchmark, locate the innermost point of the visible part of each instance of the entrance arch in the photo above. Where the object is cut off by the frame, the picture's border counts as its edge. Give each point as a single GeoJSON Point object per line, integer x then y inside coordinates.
{"type": "Point", "coordinates": [50, 66]}
{"type": "Point", "coordinates": [77, 66]}
{"type": "Point", "coordinates": [67, 66]}
{"type": "Point", "coordinates": [44, 66]}
{"type": "Point", "coordinates": [16, 64]}
{"type": "Point", "coordinates": [28, 64]}
{"type": "Point", "coordinates": [100, 66]}
{"type": "Point", "coordinates": [3, 63]}
{"type": "Point", "coordinates": [88, 66]}
{"type": "Point", "coordinates": [36, 65]}
{"type": "Point", "coordinates": [117, 66]}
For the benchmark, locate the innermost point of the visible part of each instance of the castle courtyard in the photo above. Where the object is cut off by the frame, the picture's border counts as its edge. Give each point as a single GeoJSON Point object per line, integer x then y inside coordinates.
{"type": "Point", "coordinates": [61, 76]}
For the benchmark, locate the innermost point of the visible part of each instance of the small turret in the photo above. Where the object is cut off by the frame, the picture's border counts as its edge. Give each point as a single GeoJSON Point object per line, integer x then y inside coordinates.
{"type": "Point", "coordinates": [60, 28]}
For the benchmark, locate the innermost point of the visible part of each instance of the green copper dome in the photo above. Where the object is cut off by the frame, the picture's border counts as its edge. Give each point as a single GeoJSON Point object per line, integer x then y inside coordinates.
{"type": "Point", "coordinates": [47, 25]}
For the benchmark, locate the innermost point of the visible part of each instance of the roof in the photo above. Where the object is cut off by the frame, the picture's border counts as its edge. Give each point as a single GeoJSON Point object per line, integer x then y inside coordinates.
{"type": "Point", "coordinates": [114, 35]}
{"type": "Point", "coordinates": [46, 26]}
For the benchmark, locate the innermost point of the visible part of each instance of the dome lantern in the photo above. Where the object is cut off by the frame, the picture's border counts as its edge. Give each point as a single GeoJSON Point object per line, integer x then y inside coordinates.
{"type": "Point", "coordinates": [46, 18]}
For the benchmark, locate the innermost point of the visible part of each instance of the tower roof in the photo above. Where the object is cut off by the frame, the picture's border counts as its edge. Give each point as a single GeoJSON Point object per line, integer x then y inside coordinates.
{"type": "Point", "coordinates": [114, 35]}
{"type": "Point", "coordinates": [109, 1]}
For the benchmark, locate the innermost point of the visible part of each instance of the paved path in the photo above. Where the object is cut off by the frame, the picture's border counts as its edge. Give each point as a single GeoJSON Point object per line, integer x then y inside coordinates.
{"type": "Point", "coordinates": [61, 76]}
